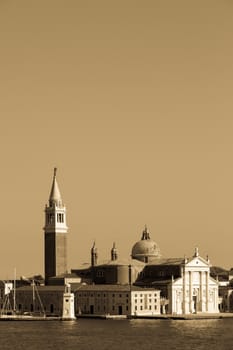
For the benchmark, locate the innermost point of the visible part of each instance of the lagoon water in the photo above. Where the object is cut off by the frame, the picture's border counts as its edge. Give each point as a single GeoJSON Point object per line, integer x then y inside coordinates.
{"type": "Point", "coordinates": [117, 334]}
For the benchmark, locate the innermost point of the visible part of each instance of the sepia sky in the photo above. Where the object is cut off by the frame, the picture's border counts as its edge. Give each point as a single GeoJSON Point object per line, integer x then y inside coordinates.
{"type": "Point", "coordinates": [132, 101]}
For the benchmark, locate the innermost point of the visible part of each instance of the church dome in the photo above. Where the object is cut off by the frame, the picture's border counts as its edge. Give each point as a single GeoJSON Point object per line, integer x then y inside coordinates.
{"type": "Point", "coordinates": [145, 249]}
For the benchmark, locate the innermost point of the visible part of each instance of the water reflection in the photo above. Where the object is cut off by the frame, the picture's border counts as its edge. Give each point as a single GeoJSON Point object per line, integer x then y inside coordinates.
{"type": "Point", "coordinates": [215, 334]}
{"type": "Point", "coordinates": [136, 334]}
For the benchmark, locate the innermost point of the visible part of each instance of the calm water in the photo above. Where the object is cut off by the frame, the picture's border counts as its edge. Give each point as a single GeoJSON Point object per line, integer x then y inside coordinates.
{"type": "Point", "coordinates": [118, 334]}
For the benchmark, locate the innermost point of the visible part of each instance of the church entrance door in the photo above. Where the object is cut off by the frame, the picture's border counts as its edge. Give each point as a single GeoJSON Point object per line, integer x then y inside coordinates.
{"type": "Point", "coordinates": [120, 310]}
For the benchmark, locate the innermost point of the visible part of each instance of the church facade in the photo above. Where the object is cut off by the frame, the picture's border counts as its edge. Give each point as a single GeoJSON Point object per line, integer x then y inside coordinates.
{"type": "Point", "coordinates": [194, 291]}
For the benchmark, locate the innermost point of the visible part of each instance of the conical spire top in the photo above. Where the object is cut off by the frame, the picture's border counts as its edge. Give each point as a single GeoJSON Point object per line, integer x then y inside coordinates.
{"type": "Point", "coordinates": [55, 195]}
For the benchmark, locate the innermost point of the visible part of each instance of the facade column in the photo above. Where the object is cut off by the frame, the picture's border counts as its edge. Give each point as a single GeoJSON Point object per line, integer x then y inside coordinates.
{"type": "Point", "coordinates": [184, 291]}
{"type": "Point", "coordinates": [201, 292]}
{"type": "Point", "coordinates": [207, 291]}
{"type": "Point", "coordinates": [190, 293]}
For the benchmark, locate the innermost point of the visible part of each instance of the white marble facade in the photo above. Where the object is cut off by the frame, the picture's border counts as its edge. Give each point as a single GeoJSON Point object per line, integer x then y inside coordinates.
{"type": "Point", "coordinates": [195, 291]}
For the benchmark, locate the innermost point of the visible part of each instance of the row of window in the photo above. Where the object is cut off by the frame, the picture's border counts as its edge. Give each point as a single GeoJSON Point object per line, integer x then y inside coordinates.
{"type": "Point", "coordinates": [115, 295]}
{"type": "Point", "coordinates": [31, 308]}
{"type": "Point", "coordinates": [126, 308]}
{"type": "Point", "coordinates": [149, 300]}
{"type": "Point", "coordinates": [141, 295]}
{"type": "Point", "coordinates": [141, 307]}
{"type": "Point", "coordinates": [98, 308]}
{"type": "Point", "coordinates": [102, 295]}
{"type": "Point", "coordinates": [50, 218]}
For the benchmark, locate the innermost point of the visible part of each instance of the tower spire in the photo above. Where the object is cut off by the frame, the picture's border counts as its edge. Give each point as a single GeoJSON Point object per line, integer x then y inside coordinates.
{"type": "Point", "coordinates": [55, 195]}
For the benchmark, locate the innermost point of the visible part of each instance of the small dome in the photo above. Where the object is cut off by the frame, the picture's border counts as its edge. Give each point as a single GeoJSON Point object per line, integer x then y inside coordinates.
{"type": "Point", "coordinates": [145, 249]}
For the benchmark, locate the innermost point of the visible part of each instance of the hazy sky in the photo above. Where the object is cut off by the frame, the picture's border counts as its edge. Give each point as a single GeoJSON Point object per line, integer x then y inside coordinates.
{"type": "Point", "coordinates": [132, 101]}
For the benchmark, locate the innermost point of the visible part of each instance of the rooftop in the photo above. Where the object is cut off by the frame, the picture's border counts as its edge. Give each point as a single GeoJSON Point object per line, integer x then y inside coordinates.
{"type": "Point", "coordinates": [111, 288]}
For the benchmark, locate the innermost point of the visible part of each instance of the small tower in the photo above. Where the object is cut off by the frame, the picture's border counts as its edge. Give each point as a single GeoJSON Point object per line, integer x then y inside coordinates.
{"type": "Point", "coordinates": [55, 233]}
{"type": "Point", "coordinates": [114, 254]}
{"type": "Point", "coordinates": [68, 304]}
{"type": "Point", "coordinates": [94, 255]}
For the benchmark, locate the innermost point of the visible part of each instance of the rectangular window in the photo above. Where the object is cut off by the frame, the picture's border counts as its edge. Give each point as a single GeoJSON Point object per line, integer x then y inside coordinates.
{"type": "Point", "coordinates": [141, 308]}
{"type": "Point", "coordinates": [155, 307]}
{"type": "Point", "coordinates": [136, 307]}
{"type": "Point", "coordinates": [60, 217]}
{"type": "Point", "coordinates": [51, 218]}
{"type": "Point", "coordinates": [149, 307]}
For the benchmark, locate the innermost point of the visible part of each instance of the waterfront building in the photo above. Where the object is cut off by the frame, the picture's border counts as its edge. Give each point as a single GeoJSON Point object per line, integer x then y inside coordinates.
{"type": "Point", "coordinates": [114, 299]}
{"type": "Point", "coordinates": [45, 299]}
{"type": "Point", "coordinates": [52, 300]}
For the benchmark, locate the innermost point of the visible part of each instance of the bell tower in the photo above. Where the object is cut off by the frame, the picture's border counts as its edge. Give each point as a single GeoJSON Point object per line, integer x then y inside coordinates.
{"type": "Point", "coordinates": [55, 234]}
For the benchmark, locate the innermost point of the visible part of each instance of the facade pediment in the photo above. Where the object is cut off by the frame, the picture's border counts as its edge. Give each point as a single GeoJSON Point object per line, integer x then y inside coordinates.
{"type": "Point", "coordinates": [197, 261]}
